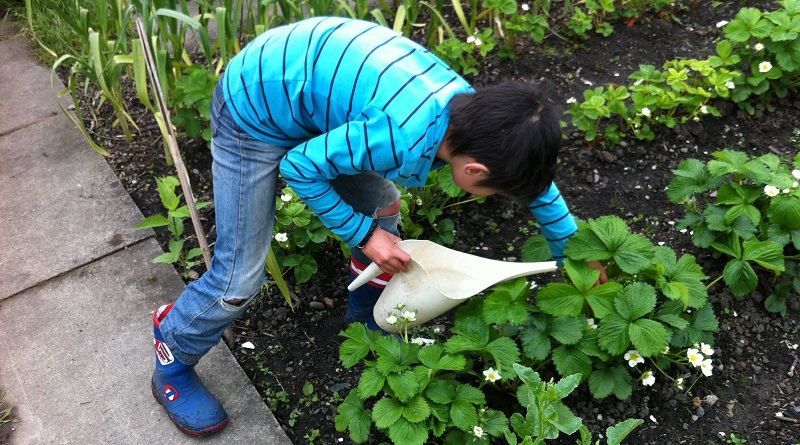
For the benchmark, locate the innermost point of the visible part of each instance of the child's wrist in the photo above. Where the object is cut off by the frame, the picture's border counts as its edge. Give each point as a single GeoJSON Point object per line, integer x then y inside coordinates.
{"type": "Point", "coordinates": [370, 232]}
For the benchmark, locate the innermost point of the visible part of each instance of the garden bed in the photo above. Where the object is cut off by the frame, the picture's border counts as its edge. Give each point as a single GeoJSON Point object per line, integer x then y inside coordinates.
{"type": "Point", "coordinates": [295, 364]}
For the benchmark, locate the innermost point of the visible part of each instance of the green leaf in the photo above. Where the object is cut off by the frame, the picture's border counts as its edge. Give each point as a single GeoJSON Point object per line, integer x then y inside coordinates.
{"type": "Point", "coordinates": [670, 313]}
{"type": "Point", "coordinates": [635, 254]}
{"type": "Point", "coordinates": [567, 330]}
{"type": "Point", "coordinates": [583, 277]}
{"type": "Point", "coordinates": [767, 254]}
{"type": "Point", "coordinates": [153, 221]}
{"type": "Point", "coordinates": [463, 414]}
{"type": "Point", "coordinates": [691, 177]}
{"type": "Point", "coordinates": [535, 343]}
{"type": "Point", "coordinates": [357, 345]}
{"type": "Point", "coordinates": [406, 432]}
{"type": "Point", "coordinates": [616, 380]}
{"type": "Point", "coordinates": [740, 277]}
{"type": "Point", "coordinates": [702, 324]}
{"type": "Point", "coordinates": [502, 307]}
{"type": "Point", "coordinates": [430, 356]}
{"type": "Point", "coordinates": [585, 245]}
{"type": "Point", "coordinates": [560, 299]}
{"type": "Point", "coordinates": [470, 394]}
{"type": "Point", "coordinates": [729, 245]}
{"type": "Point", "coordinates": [745, 26]}
{"type": "Point", "coordinates": [590, 346]}
{"type": "Point", "coordinates": [504, 351]}
{"type": "Point", "coordinates": [494, 422]}
{"type": "Point", "coordinates": [565, 421]}
{"type": "Point", "coordinates": [785, 210]}
{"type": "Point", "coordinates": [727, 162]}
{"type": "Point", "coordinates": [370, 383]}
{"type": "Point", "coordinates": [472, 332]}
{"type": "Point", "coordinates": [775, 304]}
{"type": "Point", "coordinates": [601, 298]}
{"type": "Point", "coordinates": [648, 336]}
{"type": "Point", "coordinates": [611, 230]}
{"type": "Point", "coordinates": [386, 412]}
{"type": "Point", "coordinates": [404, 384]}
{"type": "Point", "coordinates": [353, 417]}
{"type": "Point", "coordinates": [570, 360]}
{"type": "Point", "coordinates": [536, 249]}
{"type": "Point", "coordinates": [166, 190]}
{"type": "Point", "coordinates": [416, 409]}
{"type": "Point", "coordinates": [617, 433]}
{"type": "Point", "coordinates": [441, 391]}
{"type": "Point", "coordinates": [613, 333]}
{"type": "Point", "coordinates": [172, 256]}
{"type": "Point", "coordinates": [635, 300]}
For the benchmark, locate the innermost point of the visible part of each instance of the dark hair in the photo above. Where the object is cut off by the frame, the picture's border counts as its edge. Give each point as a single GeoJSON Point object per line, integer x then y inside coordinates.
{"type": "Point", "coordinates": [514, 131]}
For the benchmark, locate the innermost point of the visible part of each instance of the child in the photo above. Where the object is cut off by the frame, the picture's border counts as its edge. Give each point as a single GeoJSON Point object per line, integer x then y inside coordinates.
{"type": "Point", "coordinates": [344, 110]}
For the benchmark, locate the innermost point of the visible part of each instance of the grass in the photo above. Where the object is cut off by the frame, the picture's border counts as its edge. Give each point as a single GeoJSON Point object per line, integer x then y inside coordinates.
{"type": "Point", "coordinates": [48, 27]}
{"type": "Point", "coordinates": [5, 414]}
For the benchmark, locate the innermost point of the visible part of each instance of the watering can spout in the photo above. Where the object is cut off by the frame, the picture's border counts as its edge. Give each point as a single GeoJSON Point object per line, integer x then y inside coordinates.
{"type": "Point", "coordinates": [439, 279]}
{"type": "Point", "coordinates": [370, 272]}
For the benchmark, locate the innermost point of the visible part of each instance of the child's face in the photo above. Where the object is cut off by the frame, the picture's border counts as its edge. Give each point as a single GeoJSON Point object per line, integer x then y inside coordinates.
{"type": "Point", "coordinates": [468, 175]}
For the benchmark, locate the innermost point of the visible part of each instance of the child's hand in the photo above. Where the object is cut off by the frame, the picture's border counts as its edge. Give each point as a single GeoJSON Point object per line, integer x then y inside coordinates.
{"type": "Point", "coordinates": [596, 265]}
{"type": "Point", "coordinates": [381, 249]}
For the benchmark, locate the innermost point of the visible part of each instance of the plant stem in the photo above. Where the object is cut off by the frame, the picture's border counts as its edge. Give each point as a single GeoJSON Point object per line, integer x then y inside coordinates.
{"type": "Point", "coordinates": [714, 282]}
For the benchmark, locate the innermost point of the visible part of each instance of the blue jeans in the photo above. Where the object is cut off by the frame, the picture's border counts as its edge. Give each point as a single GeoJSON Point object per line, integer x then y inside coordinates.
{"type": "Point", "coordinates": [245, 174]}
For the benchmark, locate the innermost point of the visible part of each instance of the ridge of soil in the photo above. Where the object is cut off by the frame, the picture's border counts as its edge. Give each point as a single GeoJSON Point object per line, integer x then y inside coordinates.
{"type": "Point", "coordinates": [755, 373]}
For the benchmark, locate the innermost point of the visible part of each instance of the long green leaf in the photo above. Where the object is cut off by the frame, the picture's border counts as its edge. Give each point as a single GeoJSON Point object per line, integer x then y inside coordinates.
{"type": "Point", "coordinates": [275, 270]}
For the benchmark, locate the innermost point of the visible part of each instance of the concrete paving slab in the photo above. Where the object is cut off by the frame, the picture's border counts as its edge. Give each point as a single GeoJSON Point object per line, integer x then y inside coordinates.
{"type": "Point", "coordinates": [77, 359]}
{"type": "Point", "coordinates": [25, 93]}
{"type": "Point", "coordinates": [61, 206]}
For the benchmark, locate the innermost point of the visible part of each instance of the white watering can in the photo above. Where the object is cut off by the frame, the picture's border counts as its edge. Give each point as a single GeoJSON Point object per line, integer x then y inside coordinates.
{"type": "Point", "coordinates": [439, 279]}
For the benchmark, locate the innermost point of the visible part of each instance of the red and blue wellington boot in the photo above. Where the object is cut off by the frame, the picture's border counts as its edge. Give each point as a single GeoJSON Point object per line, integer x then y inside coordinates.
{"type": "Point", "coordinates": [361, 301]}
{"type": "Point", "coordinates": [176, 386]}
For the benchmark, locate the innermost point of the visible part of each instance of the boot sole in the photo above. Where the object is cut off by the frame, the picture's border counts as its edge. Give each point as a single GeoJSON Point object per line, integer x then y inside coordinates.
{"type": "Point", "coordinates": [196, 433]}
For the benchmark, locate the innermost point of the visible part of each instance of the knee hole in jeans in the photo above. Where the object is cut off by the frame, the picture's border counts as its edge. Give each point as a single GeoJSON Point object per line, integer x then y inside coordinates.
{"type": "Point", "coordinates": [390, 210]}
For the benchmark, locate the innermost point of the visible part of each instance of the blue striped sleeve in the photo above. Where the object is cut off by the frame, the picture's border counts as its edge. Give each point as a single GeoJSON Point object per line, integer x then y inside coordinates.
{"type": "Point", "coordinates": [555, 221]}
{"type": "Point", "coordinates": [370, 143]}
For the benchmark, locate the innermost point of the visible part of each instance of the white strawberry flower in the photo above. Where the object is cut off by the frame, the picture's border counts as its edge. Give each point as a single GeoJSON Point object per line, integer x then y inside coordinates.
{"type": "Point", "coordinates": [633, 358]}
{"type": "Point", "coordinates": [771, 190]}
{"type": "Point", "coordinates": [706, 367]}
{"type": "Point", "coordinates": [648, 379]}
{"type": "Point", "coordinates": [764, 67]}
{"type": "Point", "coordinates": [281, 237]}
{"type": "Point", "coordinates": [492, 375]}
{"type": "Point", "coordinates": [694, 356]}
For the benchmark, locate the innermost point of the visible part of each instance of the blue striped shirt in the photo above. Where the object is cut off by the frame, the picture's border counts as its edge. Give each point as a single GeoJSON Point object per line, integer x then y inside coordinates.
{"type": "Point", "coordinates": [346, 96]}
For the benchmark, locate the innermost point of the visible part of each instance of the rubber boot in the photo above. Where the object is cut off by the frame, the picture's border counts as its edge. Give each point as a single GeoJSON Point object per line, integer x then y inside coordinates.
{"type": "Point", "coordinates": [176, 386]}
{"type": "Point", "coordinates": [361, 301]}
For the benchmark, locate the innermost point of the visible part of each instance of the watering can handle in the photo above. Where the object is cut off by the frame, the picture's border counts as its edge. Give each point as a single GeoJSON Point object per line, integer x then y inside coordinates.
{"type": "Point", "coordinates": [370, 272]}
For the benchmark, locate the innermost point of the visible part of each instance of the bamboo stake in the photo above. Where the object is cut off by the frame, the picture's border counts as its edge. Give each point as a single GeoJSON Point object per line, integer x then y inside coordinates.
{"type": "Point", "coordinates": [172, 141]}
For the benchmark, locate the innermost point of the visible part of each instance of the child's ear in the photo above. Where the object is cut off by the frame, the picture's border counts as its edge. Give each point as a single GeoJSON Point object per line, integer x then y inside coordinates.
{"type": "Point", "coordinates": [476, 169]}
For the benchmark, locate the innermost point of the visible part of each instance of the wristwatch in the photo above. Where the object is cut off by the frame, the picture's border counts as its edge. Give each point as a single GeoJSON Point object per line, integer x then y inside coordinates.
{"type": "Point", "coordinates": [366, 238]}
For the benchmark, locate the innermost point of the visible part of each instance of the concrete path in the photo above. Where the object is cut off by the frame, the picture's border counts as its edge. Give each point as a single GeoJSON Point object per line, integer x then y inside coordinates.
{"type": "Point", "coordinates": [77, 287]}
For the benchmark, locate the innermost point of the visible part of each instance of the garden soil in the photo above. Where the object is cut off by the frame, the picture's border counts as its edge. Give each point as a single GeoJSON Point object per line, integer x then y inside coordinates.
{"type": "Point", "coordinates": [295, 365]}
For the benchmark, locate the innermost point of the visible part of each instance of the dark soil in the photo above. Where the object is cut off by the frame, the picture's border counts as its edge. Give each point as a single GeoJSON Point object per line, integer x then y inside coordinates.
{"type": "Point", "coordinates": [756, 374]}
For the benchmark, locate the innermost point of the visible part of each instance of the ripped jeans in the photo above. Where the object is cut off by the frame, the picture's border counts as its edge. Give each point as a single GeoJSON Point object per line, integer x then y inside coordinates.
{"type": "Point", "coordinates": [245, 174]}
